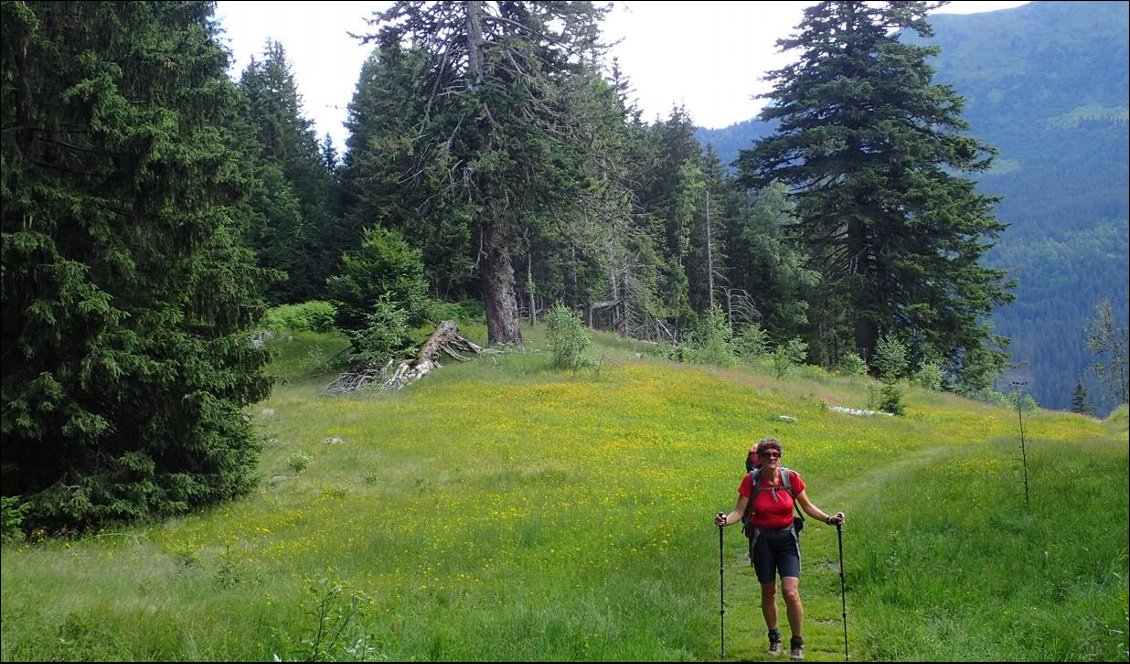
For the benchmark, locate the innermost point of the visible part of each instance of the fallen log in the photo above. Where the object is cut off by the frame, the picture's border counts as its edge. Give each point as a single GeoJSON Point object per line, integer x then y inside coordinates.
{"type": "Point", "coordinates": [446, 340]}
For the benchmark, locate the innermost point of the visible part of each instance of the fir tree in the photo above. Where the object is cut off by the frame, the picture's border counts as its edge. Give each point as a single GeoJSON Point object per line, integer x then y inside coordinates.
{"type": "Point", "coordinates": [128, 294]}
{"type": "Point", "coordinates": [873, 153]}
{"type": "Point", "coordinates": [299, 233]}
{"type": "Point", "coordinates": [492, 122]}
{"type": "Point", "coordinates": [1079, 402]}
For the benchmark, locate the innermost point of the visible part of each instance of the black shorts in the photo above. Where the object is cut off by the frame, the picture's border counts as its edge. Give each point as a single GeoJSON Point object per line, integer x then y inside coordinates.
{"type": "Point", "coordinates": [774, 551]}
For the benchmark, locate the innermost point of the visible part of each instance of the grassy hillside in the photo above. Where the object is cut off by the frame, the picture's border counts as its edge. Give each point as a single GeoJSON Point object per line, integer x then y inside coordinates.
{"type": "Point", "coordinates": [498, 510]}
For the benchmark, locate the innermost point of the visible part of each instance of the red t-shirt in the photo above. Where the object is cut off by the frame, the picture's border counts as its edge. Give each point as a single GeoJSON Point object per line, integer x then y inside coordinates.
{"type": "Point", "coordinates": [772, 506]}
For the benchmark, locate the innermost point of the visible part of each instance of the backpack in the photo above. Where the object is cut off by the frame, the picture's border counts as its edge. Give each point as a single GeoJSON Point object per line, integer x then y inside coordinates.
{"type": "Point", "coordinates": [752, 460]}
{"type": "Point", "coordinates": [754, 468]}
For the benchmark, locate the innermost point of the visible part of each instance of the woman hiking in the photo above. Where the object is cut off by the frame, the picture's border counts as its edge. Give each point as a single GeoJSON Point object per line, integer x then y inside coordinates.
{"type": "Point", "coordinates": [769, 492]}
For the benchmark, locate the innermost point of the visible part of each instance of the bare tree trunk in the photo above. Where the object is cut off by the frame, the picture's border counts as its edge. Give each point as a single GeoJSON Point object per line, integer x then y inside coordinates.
{"type": "Point", "coordinates": [498, 288]}
{"type": "Point", "coordinates": [709, 255]}
{"type": "Point", "coordinates": [866, 331]}
{"type": "Point", "coordinates": [530, 284]}
{"type": "Point", "coordinates": [622, 295]}
{"type": "Point", "coordinates": [475, 41]}
{"type": "Point", "coordinates": [498, 272]}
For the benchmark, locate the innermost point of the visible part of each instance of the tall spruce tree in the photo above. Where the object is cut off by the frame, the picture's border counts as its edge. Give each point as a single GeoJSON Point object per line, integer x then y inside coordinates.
{"type": "Point", "coordinates": [385, 182]}
{"type": "Point", "coordinates": [299, 234]}
{"type": "Point", "coordinates": [127, 291]}
{"type": "Point", "coordinates": [583, 256]}
{"type": "Point", "coordinates": [672, 195]}
{"type": "Point", "coordinates": [705, 269]}
{"type": "Point", "coordinates": [874, 154]}
{"type": "Point", "coordinates": [769, 282]}
{"type": "Point", "coordinates": [493, 121]}
{"type": "Point", "coordinates": [1079, 402]}
{"type": "Point", "coordinates": [599, 254]}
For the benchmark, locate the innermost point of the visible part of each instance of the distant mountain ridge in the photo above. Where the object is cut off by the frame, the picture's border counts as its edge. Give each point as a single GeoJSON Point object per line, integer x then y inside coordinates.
{"type": "Point", "coordinates": [1047, 84]}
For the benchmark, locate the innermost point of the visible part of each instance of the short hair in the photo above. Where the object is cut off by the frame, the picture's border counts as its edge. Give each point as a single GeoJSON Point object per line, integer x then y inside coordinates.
{"type": "Point", "coordinates": [767, 444]}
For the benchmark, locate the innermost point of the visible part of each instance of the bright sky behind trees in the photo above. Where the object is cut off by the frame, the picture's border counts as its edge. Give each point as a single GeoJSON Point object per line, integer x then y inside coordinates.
{"type": "Point", "coordinates": [706, 56]}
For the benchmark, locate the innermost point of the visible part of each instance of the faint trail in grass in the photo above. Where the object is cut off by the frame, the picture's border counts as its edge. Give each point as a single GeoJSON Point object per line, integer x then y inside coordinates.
{"type": "Point", "coordinates": [879, 478]}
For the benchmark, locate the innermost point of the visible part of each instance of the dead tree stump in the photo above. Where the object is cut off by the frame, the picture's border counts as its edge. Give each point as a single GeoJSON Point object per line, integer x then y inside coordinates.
{"type": "Point", "coordinates": [446, 340]}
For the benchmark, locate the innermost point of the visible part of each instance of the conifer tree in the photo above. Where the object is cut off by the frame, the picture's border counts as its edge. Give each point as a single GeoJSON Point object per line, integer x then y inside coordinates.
{"type": "Point", "coordinates": [706, 266]}
{"type": "Point", "coordinates": [128, 293]}
{"type": "Point", "coordinates": [491, 121]}
{"type": "Point", "coordinates": [874, 155]}
{"type": "Point", "coordinates": [1079, 402]}
{"type": "Point", "coordinates": [385, 183]}
{"type": "Point", "coordinates": [600, 255]}
{"type": "Point", "coordinates": [672, 195]}
{"type": "Point", "coordinates": [298, 234]}
{"type": "Point", "coordinates": [773, 288]}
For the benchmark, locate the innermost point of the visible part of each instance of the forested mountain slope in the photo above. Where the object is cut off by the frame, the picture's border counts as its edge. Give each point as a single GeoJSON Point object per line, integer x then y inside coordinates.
{"type": "Point", "coordinates": [1047, 85]}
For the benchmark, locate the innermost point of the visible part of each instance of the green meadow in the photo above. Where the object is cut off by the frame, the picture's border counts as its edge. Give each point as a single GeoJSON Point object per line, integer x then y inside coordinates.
{"type": "Point", "coordinates": [502, 510]}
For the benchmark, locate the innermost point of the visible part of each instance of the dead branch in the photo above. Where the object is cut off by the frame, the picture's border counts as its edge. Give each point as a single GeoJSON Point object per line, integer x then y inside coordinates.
{"type": "Point", "coordinates": [358, 378]}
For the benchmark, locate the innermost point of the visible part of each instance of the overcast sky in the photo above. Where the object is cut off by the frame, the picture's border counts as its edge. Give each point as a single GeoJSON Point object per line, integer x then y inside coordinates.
{"type": "Point", "coordinates": [706, 56]}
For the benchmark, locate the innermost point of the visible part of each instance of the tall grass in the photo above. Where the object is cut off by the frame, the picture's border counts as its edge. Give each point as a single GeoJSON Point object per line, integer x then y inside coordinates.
{"type": "Point", "coordinates": [501, 510]}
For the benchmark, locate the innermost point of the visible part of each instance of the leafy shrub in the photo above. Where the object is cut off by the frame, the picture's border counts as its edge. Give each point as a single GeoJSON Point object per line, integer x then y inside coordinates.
{"type": "Point", "coordinates": [787, 355]}
{"type": "Point", "coordinates": [750, 341]}
{"type": "Point", "coordinates": [886, 397]}
{"type": "Point", "coordinates": [711, 342]}
{"type": "Point", "coordinates": [852, 365]}
{"type": "Point", "coordinates": [337, 632]}
{"type": "Point", "coordinates": [1027, 403]}
{"type": "Point", "coordinates": [890, 399]}
{"type": "Point", "coordinates": [385, 336]}
{"type": "Point", "coordinates": [567, 337]}
{"type": "Point", "coordinates": [318, 361]}
{"type": "Point", "coordinates": [928, 376]}
{"type": "Point", "coordinates": [890, 359]}
{"type": "Point", "coordinates": [298, 461]}
{"type": "Point", "coordinates": [386, 268]}
{"type": "Point", "coordinates": [315, 315]}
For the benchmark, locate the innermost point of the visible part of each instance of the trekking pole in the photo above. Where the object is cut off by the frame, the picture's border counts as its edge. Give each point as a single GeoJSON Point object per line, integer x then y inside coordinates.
{"type": "Point", "coordinates": [843, 593]}
{"type": "Point", "coordinates": [721, 594]}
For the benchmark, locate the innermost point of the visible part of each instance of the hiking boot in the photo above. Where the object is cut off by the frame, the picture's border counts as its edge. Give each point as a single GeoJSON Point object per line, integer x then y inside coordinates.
{"type": "Point", "coordinates": [775, 647]}
{"type": "Point", "coordinates": [796, 649]}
